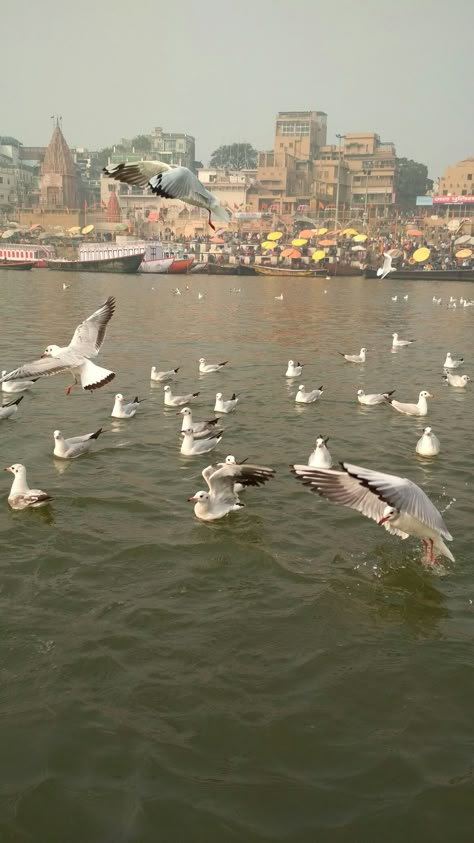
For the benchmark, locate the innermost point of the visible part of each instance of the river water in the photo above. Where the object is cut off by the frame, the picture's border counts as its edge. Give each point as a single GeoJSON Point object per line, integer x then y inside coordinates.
{"type": "Point", "coordinates": [291, 673]}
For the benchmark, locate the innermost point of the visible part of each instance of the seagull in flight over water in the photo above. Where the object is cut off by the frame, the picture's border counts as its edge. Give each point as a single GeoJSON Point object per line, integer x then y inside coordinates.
{"type": "Point", "coordinates": [76, 357]}
{"type": "Point", "coordinates": [170, 182]}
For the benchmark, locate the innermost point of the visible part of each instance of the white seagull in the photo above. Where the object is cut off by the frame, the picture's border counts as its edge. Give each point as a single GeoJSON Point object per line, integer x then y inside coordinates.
{"type": "Point", "coordinates": [221, 498]}
{"type": "Point", "coordinates": [418, 409]}
{"type": "Point", "coordinates": [384, 270]}
{"type": "Point", "coordinates": [355, 358]}
{"type": "Point", "coordinates": [124, 410]}
{"type": "Point", "coordinates": [320, 457]}
{"type": "Point", "coordinates": [159, 377]}
{"type": "Point", "coordinates": [396, 502]}
{"type": "Point", "coordinates": [222, 406]}
{"type": "Point", "coordinates": [10, 409]}
{"type": "Point", "coordinates": [190, 447]}
{"type": "Point", "coordinates": [303, 397]}
{"type": "Point", "coordinates": [453, 362]}
{"type": "Point", "coordinates": [294, 370]}
{"type": "Point", "coordinates": [17, 386]}
{"type": "Point", "coordinates": [177, 400]}
{"type": "Point", "coordinates": [394, 298]}
{"type": "Point", "coordinates": [21, 496]}
{"type": "Point", "coordinates": [428, 444]}
{"type": "Point", "coordinates": [396, 343]}
{"type": "Point", "coordinates": [170, 182]}
{"type": "Point", "coordinates": [207, 368]}
{"type": "Point", "coordinates": [279, 298]}
{"type": "Point", "coordinates": [69, 449]}
{"type": "Point", "coordinates": [456, 380]}
{"type": "Point", "coordinates": [372, 398]}
{"type": "Point", "coordinates": [76, 357]}
{"type": "Point", "coordinates": [201, 429]}
{"type": "Point", "coordinates": [229, 460]}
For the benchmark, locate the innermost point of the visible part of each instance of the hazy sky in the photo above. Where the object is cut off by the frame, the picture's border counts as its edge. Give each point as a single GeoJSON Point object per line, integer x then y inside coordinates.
{"type": "Point", "coordinates": [221, 70]}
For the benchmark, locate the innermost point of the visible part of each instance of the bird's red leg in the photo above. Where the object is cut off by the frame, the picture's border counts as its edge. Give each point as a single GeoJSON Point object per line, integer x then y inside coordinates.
{"type": "Point", "coordinates": [425, 547]}
{"type": "Point", "coordinates": [432, 558]}
{"type": "Point", "coordinates": [68, 390]}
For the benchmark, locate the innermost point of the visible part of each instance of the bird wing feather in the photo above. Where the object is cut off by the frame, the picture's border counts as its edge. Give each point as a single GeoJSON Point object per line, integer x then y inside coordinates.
{"type": "Point", "coordinates": [137, 174]}
{"type": "Point", "coordinates": [89, 335]}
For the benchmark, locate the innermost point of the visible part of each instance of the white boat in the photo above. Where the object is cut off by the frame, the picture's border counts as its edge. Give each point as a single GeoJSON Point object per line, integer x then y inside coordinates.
{"type": "Point", "coordinates": [27, 252]}
{"type": "Point", "coordinates": [154, 259]}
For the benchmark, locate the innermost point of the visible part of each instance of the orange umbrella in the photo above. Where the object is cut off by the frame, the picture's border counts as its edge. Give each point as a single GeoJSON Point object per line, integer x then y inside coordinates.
{"type": "Point", "coordinates": [414, 232]}
{"type": "Point", "coordinates": [327, 242]}
{"type": "Point", "coordinates": [464, 253]}
{"type": "Point", "coordinates": [333, 233]}
{"type": "Point", "coordinates": [308, 232]}
{"type": "Point", "coordinates": [217, 240]}
{"type": "Point", "coordinates": [290, 253]}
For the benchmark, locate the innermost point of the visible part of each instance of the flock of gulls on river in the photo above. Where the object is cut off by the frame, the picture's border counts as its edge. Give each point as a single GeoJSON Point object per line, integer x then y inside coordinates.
{"type": "Point", "coordinates": [394, 502]}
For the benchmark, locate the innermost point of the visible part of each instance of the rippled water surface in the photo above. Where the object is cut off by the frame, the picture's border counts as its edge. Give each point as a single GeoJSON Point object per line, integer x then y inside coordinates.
{"type": "Point", "coordinates": [290, 673]}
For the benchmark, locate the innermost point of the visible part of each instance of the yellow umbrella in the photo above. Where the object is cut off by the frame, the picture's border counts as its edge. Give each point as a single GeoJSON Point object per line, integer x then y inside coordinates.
{"type": "Point", "coordinates": [298, 241]}
{"type": "Point", "coordinates": [267, 245]}
{"type": "Point", "coordinates": [275, 235]}
{"type": "Point", "coordinates": [360, 238]}
{"type": "Point", "coordinates": [349, 232]}
{"type": "Point", "coordinates": [464, 253]}
{"type": "Point", "coordinates": [318, 255]}
{"type": "Point", "coordinates": [321, 231]}
{"type": "Point", "coordinates": [421, 255]}
{"type": "Point", "coordinates": [87, 229]}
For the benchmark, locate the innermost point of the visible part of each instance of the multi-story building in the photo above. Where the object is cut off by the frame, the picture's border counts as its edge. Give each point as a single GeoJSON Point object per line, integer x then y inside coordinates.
{"type": "Point", "coordinates": [458, 180]}
{"type": "Point", "coordinates": [7, 185]}
{"type": "Point", "coordinates": [372, 165]}
{"type": "Point", "coordinates": [22, 178]}
{"type": "Point", "coordinates": [230, 188]}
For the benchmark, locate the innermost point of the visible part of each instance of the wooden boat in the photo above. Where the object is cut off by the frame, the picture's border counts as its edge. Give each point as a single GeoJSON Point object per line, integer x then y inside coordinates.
{"type": "Point", "coordinates": [156, 265]}
{"type": "Point", "coordinates": [126, 263]}
{"type": "Point", "coordinates": [180, 266]}
{"type": "Point", "coordinates": [23, 265]}
{"type": "Point", "coordinates": [346, 269]}
{"type": "Point", "coordinates": [426, 274]}
{"type": "Point", "coordinates": [288, 271]}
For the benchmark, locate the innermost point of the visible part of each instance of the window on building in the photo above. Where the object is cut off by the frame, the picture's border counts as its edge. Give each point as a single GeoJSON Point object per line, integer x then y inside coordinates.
{"type": "Point", "coordinates": [445, 192]}
{"type": "Point", "coordinates": [1, 179]}
{"type": "Point", "coordinates": [469, 176]}
{"type": "Point", "coordinates": [463, 192]}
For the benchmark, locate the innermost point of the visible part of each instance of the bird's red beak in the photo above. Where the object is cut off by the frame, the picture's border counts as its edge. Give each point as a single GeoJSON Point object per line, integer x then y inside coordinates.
{"type": "Point", "coordinates": [44, 355]}
{"type": "Point", "coordinates": [189, 499]}
{"type": "Point", "coordinates": [8, 469]}
{"type": "Point", "coordinates": [384, 519]}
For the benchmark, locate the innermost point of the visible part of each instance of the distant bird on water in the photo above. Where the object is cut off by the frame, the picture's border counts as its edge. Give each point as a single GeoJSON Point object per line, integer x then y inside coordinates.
{"type": "Point", "coordinates": [170, 182]}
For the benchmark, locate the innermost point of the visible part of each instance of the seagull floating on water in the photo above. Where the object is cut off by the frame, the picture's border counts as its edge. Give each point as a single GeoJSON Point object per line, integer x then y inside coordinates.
{"type": "Point", "coordinates": [21, 496]}
{"type": "Point", "coordinates": [17, 386]}
{"type": "Point", "coordinates": [177, 400]}
{"type": "Point", "coordinates": [428, 444]}
{"type": "Point", "coordinates": [279, 298]}
{"type": "Point", "coordinates": [396, 343]}
{"type": "Point", "coordinates": [355, 358]}
{"type": "Point", "coordinates": [10, 409]}
{"type": "Point", "coordinates": [70, 449]}
{"type": "Point", "coordinates": [221, 497]}
{"type": "Point", "coordinates": [207, 368]}
{"type": "Point", "coordinates": [396, 502]}
{"type": "Point", "coordinates": [303, 397]}
{"type": "Point", "coordinates": [201, 429]}
{"type": "Point", "coordinates": [453, 362]}
{"type": "Point", "coordinates": [373, 398]}
{"type": "Point", "coordinates": [320, 457]}
{"type": "Point", "coordinates": [294, 370]}
{"type": "Point", "coordinates": [222, 406]}
{"type": "Point", "coordinates": [456, 380]}
{"type": "Point", "coordinates": [76, 357]}
{"type": "Point", "coordinates": [159, 377]}
{"type": "Point", "coordinates": [394, 298]}
{"type": "Point", "coordinates": [190, 447]}
{"type": "Point", "coordinates": [387, 267]}
{"type": "Point", "coordinates": [124, 410]}
{"type": "Point", "coordinates": [170, 182]}
{"type": "Point", "coordinates": [419, 409]}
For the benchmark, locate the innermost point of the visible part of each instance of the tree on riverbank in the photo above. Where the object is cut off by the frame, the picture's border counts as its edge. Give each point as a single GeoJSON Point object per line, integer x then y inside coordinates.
{"type": "Point", "coordinates": [411, 180]}
{"type": "Point", "coordinates": [234, 156]}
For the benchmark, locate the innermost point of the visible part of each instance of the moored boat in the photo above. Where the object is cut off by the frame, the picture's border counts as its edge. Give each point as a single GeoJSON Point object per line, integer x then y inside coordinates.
{"type": "Point", "coordinates": [126, 263]}
{"type": "Point", "coordinates": [155, 265]}
{"type": "Point", "coordinates": [459, 274]}
{"type": "Point", "coordinates": [26, 253]}
{"type": "Point", "coordinates": [230, 269]}
{"type": "Point", "coordinates": [287, 270]}
{"type": "Point", "coordinates": [22, 265]}
{"type": "Point", "coordinates": [180, 266]}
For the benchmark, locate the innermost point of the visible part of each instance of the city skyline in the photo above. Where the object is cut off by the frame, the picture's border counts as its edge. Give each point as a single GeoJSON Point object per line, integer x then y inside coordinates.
{"type": "Point", "coordinates": [222, 75]}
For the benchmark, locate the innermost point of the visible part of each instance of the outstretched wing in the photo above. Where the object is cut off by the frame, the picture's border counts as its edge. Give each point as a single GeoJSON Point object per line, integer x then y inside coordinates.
{"type": "Point", "coordinates": [342, 488]}
{"type": "Point", "coordinates": [44, 367]}
{"type": "Point", "coordinates": [138, 174]}
{"type": "Point", "coordinates": [89, 335]}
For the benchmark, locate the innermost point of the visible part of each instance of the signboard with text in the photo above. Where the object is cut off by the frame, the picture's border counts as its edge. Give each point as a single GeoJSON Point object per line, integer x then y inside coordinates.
{"type": "Point", "coordinates": [453, 200]}
{"type": "Point", "coordinates": [424, 200]}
